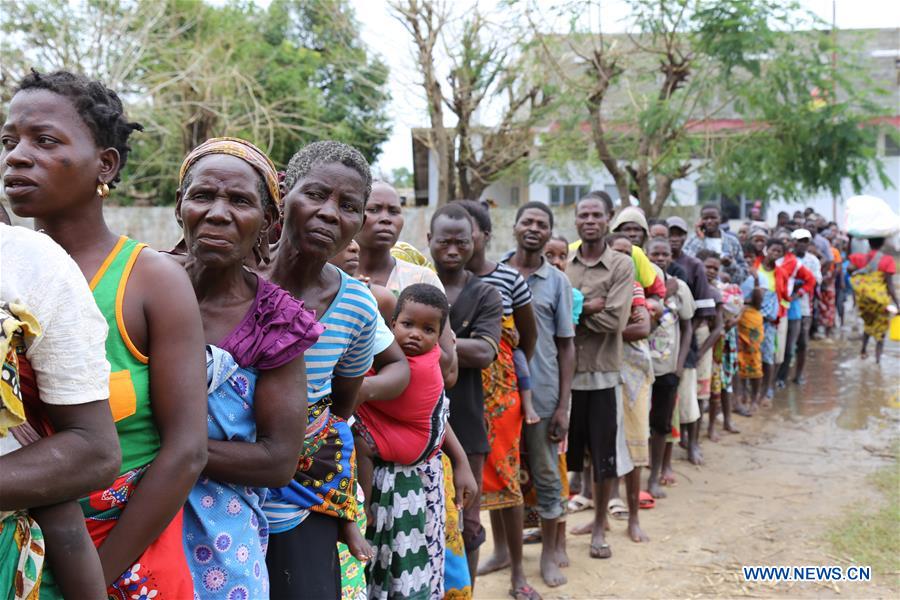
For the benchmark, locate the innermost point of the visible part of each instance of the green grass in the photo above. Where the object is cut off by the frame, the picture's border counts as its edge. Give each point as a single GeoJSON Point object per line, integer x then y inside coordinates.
{"type": "Point", "coordinates": [872, 535]}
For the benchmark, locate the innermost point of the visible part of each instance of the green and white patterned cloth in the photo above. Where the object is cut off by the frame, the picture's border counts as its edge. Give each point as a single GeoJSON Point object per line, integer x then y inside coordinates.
{"type": "Point", "coordinates": [401, 568]}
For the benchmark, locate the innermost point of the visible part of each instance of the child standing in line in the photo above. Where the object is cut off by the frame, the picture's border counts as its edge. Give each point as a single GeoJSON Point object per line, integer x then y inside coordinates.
{"type": "Point", "coordinates": [750, 338]}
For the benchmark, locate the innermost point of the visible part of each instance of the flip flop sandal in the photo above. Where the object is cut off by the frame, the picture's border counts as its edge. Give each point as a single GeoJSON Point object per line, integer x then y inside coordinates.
{"type": "Point", "coordinates": [579, 503]}
{"type": "Point", "coordinates": [617, 509]}
{"type": "Point", "coordinates": [601, 551]}
{"type": "Point", "coordinates": [525, 592]}
{"type": "Point", "coordinates": [645, 500]}
{"type": "Point", "coordinates": [531, 536]}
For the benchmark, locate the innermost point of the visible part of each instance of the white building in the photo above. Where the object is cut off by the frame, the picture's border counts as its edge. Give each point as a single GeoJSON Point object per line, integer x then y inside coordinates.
{"type": "Point", "coordinates": [562, 187]}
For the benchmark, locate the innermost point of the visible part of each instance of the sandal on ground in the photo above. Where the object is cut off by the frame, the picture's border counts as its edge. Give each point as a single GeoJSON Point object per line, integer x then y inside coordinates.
{"type": "Point", "coordinates": [601, 551]}
{"type": "Point", "coordinates": [617, 509]}
{"type": "Point", "coordinates": [645, 500]}
{"type": "Point", "coordinates": [525, 592]}
{"type": "Point", "coordinates": [579, 503]}
{"type": "Point", "coordinates": [531, 535]}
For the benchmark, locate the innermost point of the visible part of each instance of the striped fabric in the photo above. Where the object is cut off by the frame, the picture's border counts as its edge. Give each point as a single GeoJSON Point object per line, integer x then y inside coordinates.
{"type": "Point", "coordinates": [346, 347]}
{"type": "Point", "coordinates": [511, 285]}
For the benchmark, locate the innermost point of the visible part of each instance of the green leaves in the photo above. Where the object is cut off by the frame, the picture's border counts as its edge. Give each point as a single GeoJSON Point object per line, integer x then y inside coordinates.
{"type": "Point", "coordinates": [280, 77]}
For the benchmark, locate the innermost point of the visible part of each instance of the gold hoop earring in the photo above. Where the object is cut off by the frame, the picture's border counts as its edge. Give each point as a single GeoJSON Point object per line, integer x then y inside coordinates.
{"type": "Point", "coordinates": [103, 190]}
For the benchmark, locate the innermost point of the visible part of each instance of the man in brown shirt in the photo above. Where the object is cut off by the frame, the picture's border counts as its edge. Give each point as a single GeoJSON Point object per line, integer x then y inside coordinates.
{"type": "Point", "coordinates": [606, 280]}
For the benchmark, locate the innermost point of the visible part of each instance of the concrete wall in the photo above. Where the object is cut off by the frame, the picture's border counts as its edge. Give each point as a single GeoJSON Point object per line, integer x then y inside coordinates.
{"type": "Point", "coordinates": [156, 225]}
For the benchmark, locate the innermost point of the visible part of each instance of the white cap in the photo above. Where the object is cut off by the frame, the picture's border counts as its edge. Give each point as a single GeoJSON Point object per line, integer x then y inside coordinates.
{"type": "Point", "coordinates": [801, 234]}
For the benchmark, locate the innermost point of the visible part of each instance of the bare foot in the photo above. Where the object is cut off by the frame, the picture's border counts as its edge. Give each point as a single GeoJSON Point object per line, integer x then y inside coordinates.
{"type": "Point", "coordinates": [493, 563]}
{"type": "Point", "coordinates": [727, 426]}
{"type": "Point", "coordinates": [562, 557]}
{"type": "Point", "coordinates": [550, 572]}
{"type": "Point", "coordinates": [635, 533]}
{"type": "Point", "coordinates": [599, 547]}
{"type": "Point", "coordinates": [694, 455]}
{"type": "Point", "coordinates": [585, 528]}
{"type": "Point", "coordinates": [766, 402]}
{"type": "Point", "coordinates": [349, 534]}
{"type": "Point", "coordinates": [668, 478]}
{"type": "Point", "coordinates": [712, 435]}
{"type": "Point", "coordinates": [655, 489]}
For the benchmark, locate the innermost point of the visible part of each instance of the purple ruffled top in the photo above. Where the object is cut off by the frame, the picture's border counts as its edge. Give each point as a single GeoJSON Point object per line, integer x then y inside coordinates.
{"type": "Point", "coordinates": [274, 331]}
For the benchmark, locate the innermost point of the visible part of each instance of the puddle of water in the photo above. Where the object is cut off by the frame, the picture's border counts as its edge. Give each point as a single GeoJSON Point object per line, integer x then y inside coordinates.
{"type": "Point", "coordinates": [853, 394]}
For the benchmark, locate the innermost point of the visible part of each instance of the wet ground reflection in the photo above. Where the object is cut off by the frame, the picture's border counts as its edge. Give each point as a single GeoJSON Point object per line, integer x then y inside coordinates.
{"type": "Point", "coordinates": [859, 393]}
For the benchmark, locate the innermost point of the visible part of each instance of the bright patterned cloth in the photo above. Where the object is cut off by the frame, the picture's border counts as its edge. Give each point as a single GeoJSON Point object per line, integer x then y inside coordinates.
{"type": "Point", "coordinates": [400, 569]}
{"type": "Point", "coordinates": [457, 584]}
{"type": "Point", "coordinates": [750, 335]}
{"type": "Point", "coordinates": [15, 322]}
{"type": "Point", "coordinates": [432, 473]}
{"type": "Point", "coordinates": [353, 575]}
{"type": "Point", "coordinates": [872, 299]}
{"type": "Point", "coordinates": [21, 557]}
{"type": "Point", "coordinates": [225, 529]}
{"type": "Point", "coordinates": [503, 416]}
{"type": "Point", "coordinates": [161, 571]}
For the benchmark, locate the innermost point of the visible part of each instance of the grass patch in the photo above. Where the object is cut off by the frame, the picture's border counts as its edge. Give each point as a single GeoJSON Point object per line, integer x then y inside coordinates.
{"type": "Point", "coordinates": [872, 537]}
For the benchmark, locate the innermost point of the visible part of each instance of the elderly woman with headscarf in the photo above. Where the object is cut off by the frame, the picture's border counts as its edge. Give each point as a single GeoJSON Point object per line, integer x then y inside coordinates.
{"type": "Point", "coordinates": [256, 334]}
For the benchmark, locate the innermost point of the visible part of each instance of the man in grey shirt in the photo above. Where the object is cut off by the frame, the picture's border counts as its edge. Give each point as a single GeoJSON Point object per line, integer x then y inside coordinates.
{"type": "Point", "coordinates": [552, 369]}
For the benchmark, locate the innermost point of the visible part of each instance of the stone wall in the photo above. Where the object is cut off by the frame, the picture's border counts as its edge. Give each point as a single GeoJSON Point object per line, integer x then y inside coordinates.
{"type": "Point", "coordinates": [156, 225]}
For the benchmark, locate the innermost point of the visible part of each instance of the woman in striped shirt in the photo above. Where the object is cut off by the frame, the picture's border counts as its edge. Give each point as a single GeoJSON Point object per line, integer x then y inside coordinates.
{"type": "Point", "coordinates": [325, 191]}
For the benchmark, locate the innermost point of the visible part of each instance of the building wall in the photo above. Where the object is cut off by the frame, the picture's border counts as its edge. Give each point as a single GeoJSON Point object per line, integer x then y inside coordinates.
{"type": "Point", "coordinates": [684, 191]}
{"type": "Point", "coordinates": [157, 227]}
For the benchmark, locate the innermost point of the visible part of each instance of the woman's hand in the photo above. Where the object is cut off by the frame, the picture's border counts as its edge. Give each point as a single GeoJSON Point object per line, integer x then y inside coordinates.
{"type": "Point", "coordinates": [465, 484]}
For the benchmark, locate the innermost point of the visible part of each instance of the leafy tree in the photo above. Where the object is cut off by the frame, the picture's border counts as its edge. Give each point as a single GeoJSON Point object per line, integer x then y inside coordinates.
{"type": "Point", "coordinates": [650, 99]}
{"type": "Point", "coordinates": [281, 77]}
{"type": "Point", "coordinates": [401, 177]}
{"type": "Point", "coordinates": [488, 71]}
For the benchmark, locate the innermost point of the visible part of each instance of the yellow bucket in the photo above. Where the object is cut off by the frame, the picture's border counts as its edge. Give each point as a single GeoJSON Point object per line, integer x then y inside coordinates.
{"type": "Point", "coordinates": [895, 328]}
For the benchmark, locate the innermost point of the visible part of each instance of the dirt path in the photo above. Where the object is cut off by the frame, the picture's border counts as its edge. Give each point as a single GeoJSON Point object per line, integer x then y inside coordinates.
{"type": "Point", "coordinates": [764, 497]}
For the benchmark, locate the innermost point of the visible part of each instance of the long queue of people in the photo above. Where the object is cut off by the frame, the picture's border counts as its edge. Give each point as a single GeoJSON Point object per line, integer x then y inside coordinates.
{"type": "Point", "coordinates": [294, 403]}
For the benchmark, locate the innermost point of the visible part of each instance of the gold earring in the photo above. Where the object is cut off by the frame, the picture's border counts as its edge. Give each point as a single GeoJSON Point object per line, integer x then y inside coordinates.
{"type": "Point", "coordinates": [103, 190]}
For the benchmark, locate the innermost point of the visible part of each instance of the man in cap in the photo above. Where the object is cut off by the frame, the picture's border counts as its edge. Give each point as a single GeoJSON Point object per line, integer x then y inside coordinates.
{"type": "Point", "coordinates": [802, 239]}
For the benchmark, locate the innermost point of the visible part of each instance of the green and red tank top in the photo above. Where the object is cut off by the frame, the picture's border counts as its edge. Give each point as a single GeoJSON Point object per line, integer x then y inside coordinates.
{"type": "Point", "coordinates": [129, 380]}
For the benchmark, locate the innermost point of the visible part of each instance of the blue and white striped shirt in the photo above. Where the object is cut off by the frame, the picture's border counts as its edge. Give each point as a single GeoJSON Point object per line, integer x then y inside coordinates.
{"type": "Point", "coordinates": [345, 349]}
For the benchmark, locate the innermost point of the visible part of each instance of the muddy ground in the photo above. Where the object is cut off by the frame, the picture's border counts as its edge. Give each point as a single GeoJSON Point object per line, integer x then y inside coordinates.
{"type": "Point", "coordinates": [766, 496]}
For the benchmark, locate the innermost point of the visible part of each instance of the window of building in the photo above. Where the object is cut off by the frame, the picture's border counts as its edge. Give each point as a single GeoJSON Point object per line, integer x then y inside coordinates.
{"type": "Point", "coordinates": [733, 207]}
{"type": "Point", "coordinates": [892, 144]}
{"type": "Point", "coordinates": [612, 191]}
{"type": "Point", "coordinates": [567, 195]}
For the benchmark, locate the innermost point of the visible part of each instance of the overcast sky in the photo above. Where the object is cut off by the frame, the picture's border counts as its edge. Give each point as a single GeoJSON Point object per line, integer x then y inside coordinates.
{"type": "Point", "coordinates": [386, 36]}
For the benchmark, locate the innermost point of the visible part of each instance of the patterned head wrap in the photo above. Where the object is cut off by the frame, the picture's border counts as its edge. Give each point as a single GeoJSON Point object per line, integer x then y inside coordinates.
{"type": "Point", "coordinates": [242, 149]}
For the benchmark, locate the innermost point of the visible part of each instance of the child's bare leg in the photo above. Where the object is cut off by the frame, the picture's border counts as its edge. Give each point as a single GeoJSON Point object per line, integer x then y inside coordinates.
{"type": "Point", "coordinates": [714, 402]}
{"type": "Point", "coordinates": [365, 468]}
{"type": "Point", "coordinates": [70, 552]}
{"type": "Point", "coordinates": [726, 413]}
{"type": "Point", "coordinates": [349, 534]}
{"type": "Point", "coordinates": [755, 393]}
